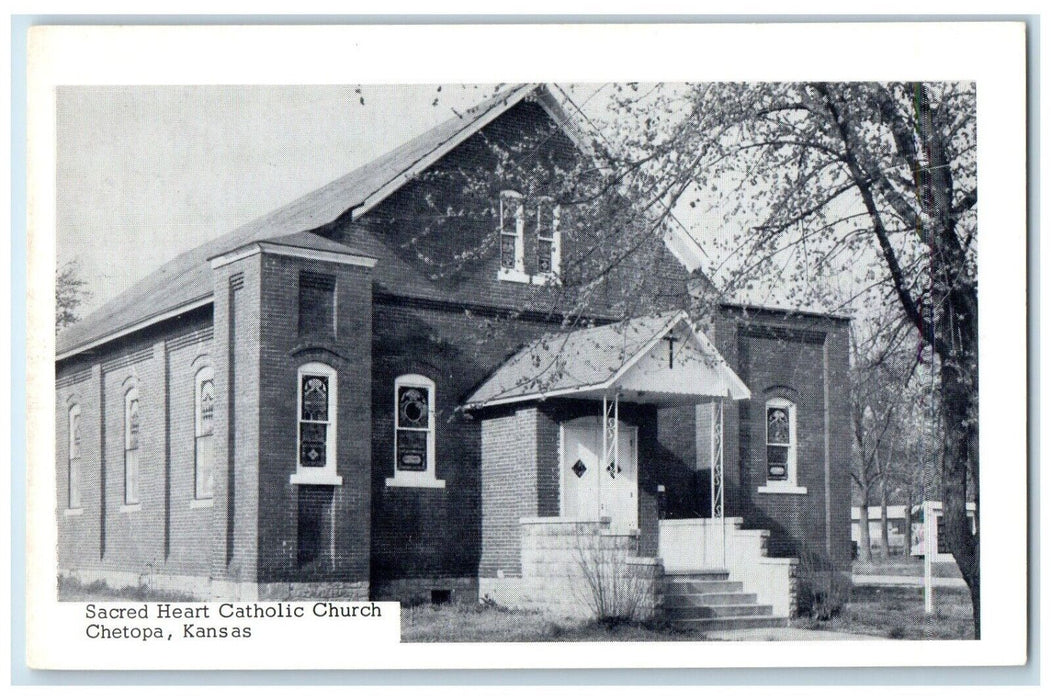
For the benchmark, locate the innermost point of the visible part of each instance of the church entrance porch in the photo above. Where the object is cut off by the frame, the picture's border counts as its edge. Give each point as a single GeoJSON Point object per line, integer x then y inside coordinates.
{"type": "Point", "coordinates": [570, 501]}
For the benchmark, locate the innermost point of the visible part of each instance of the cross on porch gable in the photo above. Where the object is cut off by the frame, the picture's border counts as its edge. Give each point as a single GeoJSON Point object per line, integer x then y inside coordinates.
{"type": "Point", "coordinates": [671, 339]}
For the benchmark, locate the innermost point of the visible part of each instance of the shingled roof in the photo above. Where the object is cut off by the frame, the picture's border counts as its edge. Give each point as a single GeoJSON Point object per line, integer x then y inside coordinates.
{"type": "Point", "coordinates": [185, 282]}
{"type": "Point", "coordinates": [591, 361]}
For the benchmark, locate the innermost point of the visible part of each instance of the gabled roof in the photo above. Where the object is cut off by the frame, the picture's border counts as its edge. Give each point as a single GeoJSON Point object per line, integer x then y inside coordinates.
{"type": "Point", "coordinates": [303, 245]}
{"type": "Point", "coordinates": [593, 361]}
{"type": "Point", "coordinates": [186, 281]}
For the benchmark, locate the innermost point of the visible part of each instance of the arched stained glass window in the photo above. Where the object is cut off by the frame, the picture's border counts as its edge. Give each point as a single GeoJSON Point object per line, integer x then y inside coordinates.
{"type": "Point", "coordinates": [780, 441]}
{"type": "Point", "coordinates": [132, 436]}
{"type": "Point", "coordinates": [73, 472]}
{"type": "Point", "coordinates": [204, 427]}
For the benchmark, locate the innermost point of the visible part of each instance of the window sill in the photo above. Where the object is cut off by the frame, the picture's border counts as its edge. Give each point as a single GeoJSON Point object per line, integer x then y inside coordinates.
{"type": "Point", "coordinates": [200, 503]}
{"type": "Point", "coordinates": [131, 508]}
{"type": "Point", "coordinates": [545, 279]}
{"type": "Point", "coordinates": [316, 478]}
{"type": "Point", "coordinates": [419, 480]}
{"type": "Point", "coordinates": [70, 512]}
{"type": "Point", "coordinates": [785, 488]}
{"type": "Point", "coordinates": [509, 275]}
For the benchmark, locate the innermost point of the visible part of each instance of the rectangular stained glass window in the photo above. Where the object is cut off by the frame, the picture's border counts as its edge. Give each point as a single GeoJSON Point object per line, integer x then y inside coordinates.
{"type": "Point", "coordinates": [507, 250]}
{"type": "Point", "coordinates": [315, 398]}
{"type": "Point", "coordinates": [546, 261]}
{"type": "Point", "coordinates": [414, 426]}
{"type": "Point", "coordinates": [511, 231]}
{"type": "Point", "coordinates": [314, 419]}
{"type": "Point", "coordinates": [543, 255]}
{"type": "Point", "coordinates": [778, 442]}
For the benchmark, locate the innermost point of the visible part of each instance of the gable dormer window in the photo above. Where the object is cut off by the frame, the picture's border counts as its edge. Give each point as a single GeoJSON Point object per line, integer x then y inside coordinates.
{"type": "Point", "coordinates": [548, 241]}
{"type": "Point", "coordinates": [512, 237]}
{"type": "Point", "coordinates": [537, 220]}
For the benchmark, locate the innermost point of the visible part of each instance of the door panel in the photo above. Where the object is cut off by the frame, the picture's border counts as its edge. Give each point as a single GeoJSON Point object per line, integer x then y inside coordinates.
{"type": "Point", "coordinates": [589, 489]}
{"type": "Point", "coordinates": [580, 468]}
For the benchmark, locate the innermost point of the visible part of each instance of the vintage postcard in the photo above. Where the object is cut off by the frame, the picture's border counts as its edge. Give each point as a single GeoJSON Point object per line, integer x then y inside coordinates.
{"type": "Point", "coordinates": [552, 350]}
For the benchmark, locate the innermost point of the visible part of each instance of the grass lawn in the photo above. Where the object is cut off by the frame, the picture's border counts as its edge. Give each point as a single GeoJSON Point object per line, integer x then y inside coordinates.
{"type": "Point", "coordinates": [900, 566]}
{"type": "Point", "coordinates": [490, 623]}
{"type": "Point", "coordinates": [897, 613]}
{"type": "Point", "coordinates": [72, 591]}
{"type": "Point", "coordinates": [889, 612]}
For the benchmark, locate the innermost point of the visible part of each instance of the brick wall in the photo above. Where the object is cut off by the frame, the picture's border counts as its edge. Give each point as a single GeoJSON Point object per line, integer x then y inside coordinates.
{"type": "Point", "coordinates": [234, 552]}
{"type": "Point", "coordinates": [521, 474]}
{"type": "Point", "coordinates": [800, 358]}
{"type": "Point", "coordinates": [79, 531]}
{"type": "Point", "coordinates": [189, 525]}
{"type": "Point", "coordinates": [509, 488]}
{"type": "Point", "coordinates": [433, 532]}
{"type": "Point", "coordinates": [281, 352]}
{"type": "Point", "coordinates": [436, 237]}
{"type": "Point", "coordinates": [161, 534]}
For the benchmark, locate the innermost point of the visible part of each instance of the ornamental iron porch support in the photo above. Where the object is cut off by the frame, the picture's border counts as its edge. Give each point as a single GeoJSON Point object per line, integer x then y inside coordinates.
{"type": "Point", "coordinates": [611, 435]}
{"type": "Point", "coordinates": [718, 505]}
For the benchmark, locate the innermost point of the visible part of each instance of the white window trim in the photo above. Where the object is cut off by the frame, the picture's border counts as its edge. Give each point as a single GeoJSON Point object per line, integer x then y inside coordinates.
{"type": "Point", "coordinates": [71, 507]}
{"type": "Point", "coordinates": [205, 374]}
{"type": "Point", "coordinates": [790, 484]}
{"type": "Point", "coordinates": [420, 479]}
{"type": "Point", "coordinates": [131, 395]}
{"type": "Point", "coordinates": [326, 475]}
{"type": "Point", "coordinates": [517, 273]}
{"type": "Point", "coordinates": [555, 276]}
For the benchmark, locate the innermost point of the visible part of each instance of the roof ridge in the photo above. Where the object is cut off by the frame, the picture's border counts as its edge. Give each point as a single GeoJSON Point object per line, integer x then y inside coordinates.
{"type": "Point", "coordinates": [311, 212]}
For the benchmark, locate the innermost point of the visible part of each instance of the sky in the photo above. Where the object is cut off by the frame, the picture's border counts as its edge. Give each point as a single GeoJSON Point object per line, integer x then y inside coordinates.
{"type": "Point", "coordinates": [145, 173]}
{"type": "Point", "coordinates": [148, 172]}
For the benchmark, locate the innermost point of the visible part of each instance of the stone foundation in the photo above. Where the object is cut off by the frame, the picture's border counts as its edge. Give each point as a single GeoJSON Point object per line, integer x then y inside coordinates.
{"type": "Point", "coordinates": [417, 591]}
{"type": "Point", "coordinates": [204, 588]}
{"type": "Point", "coordinates": [578, 568]}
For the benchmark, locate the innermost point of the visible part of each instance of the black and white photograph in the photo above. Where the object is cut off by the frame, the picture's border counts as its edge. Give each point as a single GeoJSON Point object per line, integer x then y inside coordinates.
{"type": "Point", "coordinates": [566, 361]}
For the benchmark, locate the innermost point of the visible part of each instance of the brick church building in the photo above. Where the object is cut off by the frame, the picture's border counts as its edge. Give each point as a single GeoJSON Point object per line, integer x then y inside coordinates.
{"type": "Point", "coordinates": [370, 393]}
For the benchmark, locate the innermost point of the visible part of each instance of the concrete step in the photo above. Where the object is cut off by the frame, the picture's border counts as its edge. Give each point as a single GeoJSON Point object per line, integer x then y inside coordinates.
{"type": "Point", "coordinates": [686, 587]}
{"type": "Point", "coordinates": [685, 600]}
{"type": "Point", "coordinates": [696, 575]}
{"type": "Point", "coordinates": [718, 612]}
{"type": "Point", "coordinates": [733, 623]}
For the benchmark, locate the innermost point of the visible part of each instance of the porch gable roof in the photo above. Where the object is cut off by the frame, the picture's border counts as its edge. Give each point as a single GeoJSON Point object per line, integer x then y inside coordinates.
{"type": "Point", "coordinates": [590, 362]}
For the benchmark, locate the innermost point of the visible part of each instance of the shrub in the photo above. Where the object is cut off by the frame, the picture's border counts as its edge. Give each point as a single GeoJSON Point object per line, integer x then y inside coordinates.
{"type": "Point", "coordinates": [823, 589]}
{"type": "Point", "coordinates": [613, 589]}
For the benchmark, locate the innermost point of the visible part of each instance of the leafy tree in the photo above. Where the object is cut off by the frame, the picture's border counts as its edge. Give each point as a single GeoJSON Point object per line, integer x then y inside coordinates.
{"type": "Point", "coordinates": [856, 196]}
{"type": "Point", "coordinates": [835, 193]}
{"type": "Point", "coordinates": [71, 291]}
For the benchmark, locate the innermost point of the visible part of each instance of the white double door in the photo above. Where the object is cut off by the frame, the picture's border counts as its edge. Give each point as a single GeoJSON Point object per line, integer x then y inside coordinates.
{"type": "Point", "coordinates": [590, 489]}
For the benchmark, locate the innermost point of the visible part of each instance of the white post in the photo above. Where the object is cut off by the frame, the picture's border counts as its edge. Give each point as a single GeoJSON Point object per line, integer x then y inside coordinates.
{"type": "Point", "coordinates": [930, 547]}
{"type": "Point", "coordinates": [718, 510]}
{"type": "Point", "coordinates": [610, 437]}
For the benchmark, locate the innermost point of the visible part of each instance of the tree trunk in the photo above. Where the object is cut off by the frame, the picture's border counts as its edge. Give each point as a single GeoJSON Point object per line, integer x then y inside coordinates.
{"type": "Point", "coordinates": [956, 459]}
{"type": "Point", "coordinates": [907, 548]}
{"type": "Point", "coordinates": [864, 542]}
{"type": "Point", "coordinates": [884, 533]}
